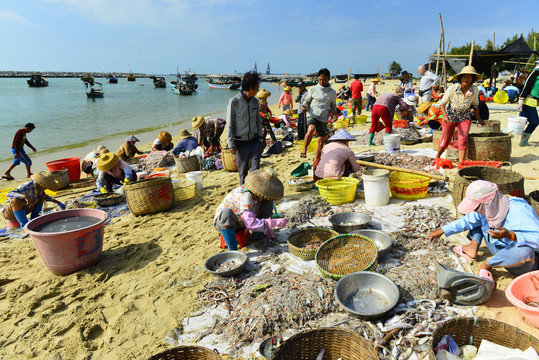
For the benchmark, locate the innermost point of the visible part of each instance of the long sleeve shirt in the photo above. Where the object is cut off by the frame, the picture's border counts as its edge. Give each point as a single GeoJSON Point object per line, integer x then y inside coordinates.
{"type": "Point", "coordinates": [521, 218]}
{"type": "Point", "coordinates": [334, 156]}
{"type": "Point", "coordinates": [530, 91]}
{"type": "Point", "coordinates": [243, 122]}
{"type": "Point", "coordinates": [119, 171]}
{"type": "Point", "coordinates": [391, 101]}
{"type": "Point", "coordinates": [286, 99]}
{"type": "Point", "coordinates": [28, 189]}
{"type": "Point", "coordinates": [300, 98]}
{"type": "Point", "coordinates": [428, 80]}
{"type": "Point", "coordinates": [187, 144]}
{"type": "Point", "coordinates": [320, 101]}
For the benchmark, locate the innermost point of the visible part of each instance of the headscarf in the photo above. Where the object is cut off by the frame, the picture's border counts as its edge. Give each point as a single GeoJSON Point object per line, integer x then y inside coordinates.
{"type": "Point", "coordinates": [484, 198]}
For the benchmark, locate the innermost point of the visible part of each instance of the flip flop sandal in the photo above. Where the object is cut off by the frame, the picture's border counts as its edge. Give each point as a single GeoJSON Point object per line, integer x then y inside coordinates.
{"type": "Point", "coordinates": [458, 250]}
{"type": "Point", "coordinates": [485, 274]}
{"type": "Point", "coordinates": [303, 155]}
{"type": "Point", "coordinates": [8, 177]}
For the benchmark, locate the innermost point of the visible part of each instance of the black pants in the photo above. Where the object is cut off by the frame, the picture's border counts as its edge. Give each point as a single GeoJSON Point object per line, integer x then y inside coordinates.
{"type": "Point", "coordinates": [302, 126]}
{"type": "Point", "coordinates": [244, 153]}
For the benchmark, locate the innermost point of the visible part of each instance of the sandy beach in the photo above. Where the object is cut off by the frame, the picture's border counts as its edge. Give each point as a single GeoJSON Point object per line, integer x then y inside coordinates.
{"type": "Point", "coordinates": [151, 268]}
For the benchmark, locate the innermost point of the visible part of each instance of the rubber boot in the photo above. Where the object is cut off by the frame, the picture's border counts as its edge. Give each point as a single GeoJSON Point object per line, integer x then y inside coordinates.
{"type": "Point", "coordinates": [371, 138]}
{"type": "Point", "coordinates": [524, 139]}
{"type": "Point", "coordinates": [37, 210]}
{"type": "Point", "coordinates": [230, 238]}
{"type": "Point", "coordinates": [21, 217]}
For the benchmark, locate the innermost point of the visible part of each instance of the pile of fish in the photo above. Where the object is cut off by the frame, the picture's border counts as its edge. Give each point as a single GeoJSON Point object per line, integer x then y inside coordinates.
{"type": "Point", "coordinates": [226, 265]}
{"type": "Point", "coordinates": [363, 139]}
{"type": "Point", "coordinates": [155, 160]}
{"type": "Point", "coordinates": [422, 219]}
{"type": "Point", "coordinates": [407, 133]}
{"type": "Point", "coordinates": [306, 209]}
{"type": "Point", "coordinates": [412, 162]}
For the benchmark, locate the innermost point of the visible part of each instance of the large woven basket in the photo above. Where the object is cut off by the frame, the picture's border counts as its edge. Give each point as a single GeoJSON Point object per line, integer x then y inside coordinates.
{"type": "Point", "coordinates": [61, 177]}
{"type": "Point", "coordinates": [345, 254]}
{"type": "Point", "coordinates": [229, 160]}
{"type": "Point", "coordinates": [150, 195]}
{"type": "Point", "coordinates": [508, 181]}
{"type": "Point", "coordinates": [491, 146]}
{"type": "Point", "coordinates": [299, 239]}
{"type": "Point", "coordinates": [186, 353]}
{"type": "Point", "coordinates": [471, 330]}
{"type": "Point", "coordinates": [186, 164]}
{"type": "Point", "coordinates": [534, 200]}
{"type": "Point", "coordinates": [336, 343]}
{"type": "Point", "coordinates": [491, 126]}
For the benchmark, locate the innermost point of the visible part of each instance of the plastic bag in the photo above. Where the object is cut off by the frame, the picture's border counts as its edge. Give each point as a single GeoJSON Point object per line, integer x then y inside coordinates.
{"type": "Point", "coordinates": [447, 343]}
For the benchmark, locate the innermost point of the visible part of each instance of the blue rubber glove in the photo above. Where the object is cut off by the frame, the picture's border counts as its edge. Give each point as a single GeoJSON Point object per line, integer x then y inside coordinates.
{"type": "Point", "coordinates": [62, 205]}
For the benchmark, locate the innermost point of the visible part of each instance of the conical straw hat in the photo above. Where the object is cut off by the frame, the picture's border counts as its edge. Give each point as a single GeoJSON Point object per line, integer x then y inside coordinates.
{"type": "Point", "coordinates": [263, 93]}
{"type": "Point", "coordinates": [107, 161]}
{"type": "Point", "coordinates": [45, 180]}
{"type": "Point", "coordinates": [197, 122]}
{"type": "Point", "coordinates": [265, 184]}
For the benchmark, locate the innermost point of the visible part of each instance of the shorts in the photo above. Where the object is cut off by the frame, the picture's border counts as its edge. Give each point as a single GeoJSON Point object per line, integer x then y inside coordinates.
{"type": "Point", "coordinates": [227, 218]}
{"type": "Point", "coordinates": [321, 127]}
{"type": "Point", "coordinates": [23, 158]}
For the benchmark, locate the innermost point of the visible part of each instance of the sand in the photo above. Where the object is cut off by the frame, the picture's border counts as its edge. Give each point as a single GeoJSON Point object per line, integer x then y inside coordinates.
{"type": "Point", "coordinates": [149, 274]}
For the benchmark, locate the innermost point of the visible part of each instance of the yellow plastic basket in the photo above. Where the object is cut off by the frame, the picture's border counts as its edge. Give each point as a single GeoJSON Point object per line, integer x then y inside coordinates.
{"type": "Point", "coordinates": [312, 145]}
{"type": "Point", "coordinates": [406, 186]}
{"type": "Point", "coordinates": [338, 191]}
{"type": "Point", "coordinates": [340, 124]}
{"type": "Point", "coordinates": [361, 119]}
{"type": "Point", "coordinates": [184, 189]}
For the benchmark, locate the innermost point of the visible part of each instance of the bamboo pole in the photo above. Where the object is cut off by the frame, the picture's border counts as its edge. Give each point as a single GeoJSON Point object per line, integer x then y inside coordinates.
{"type": "Point", "coordinates": [444, 50]}
{"type": "Point", "coordinates": [438, 55]}
{"type": "Point", "coordinates": [445, 70]}
{"type": "Point", "coordinates": [395, 168]}
{"type": "Point", "coordinates": [471, 53]}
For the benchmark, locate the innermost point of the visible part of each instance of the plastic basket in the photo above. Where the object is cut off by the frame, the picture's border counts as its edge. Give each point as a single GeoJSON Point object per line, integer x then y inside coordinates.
{"type": "Point", "coordinates": [338, 191]}
{"type": "Point", "coordinates": [408, 186]}
{"type": "Point", "coordinates": [302, 237]}
{"type": "Point", "coordinates": [340, 124]}
{"type": "Point", "coordinates": [361, 119]}
{"type": "Point", "coordinates": [184, 189]}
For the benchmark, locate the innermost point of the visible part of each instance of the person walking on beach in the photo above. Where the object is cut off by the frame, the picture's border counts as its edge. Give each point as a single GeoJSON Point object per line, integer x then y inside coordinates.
{"type": "Point", "coordinates": [371, 94]}
{"type": "Point", "coordinates": [300, 98]}
{"type": "Point", "coordinates": [527, 104]}
{"type": "Point", "coordinates": [320, 101]}
{"type": "Point", "coordinates": [19, 155]}
{"type": "Point", "coordinates": [244, 126]}
{"type": "Point", "coordinates": [285, 101]}
{"type": "Point", "coordinates": [428, 81]}
{"type": "Point", "coordinates": [357, 101]}
{"type": "Point", "coordinates": [384, 109]}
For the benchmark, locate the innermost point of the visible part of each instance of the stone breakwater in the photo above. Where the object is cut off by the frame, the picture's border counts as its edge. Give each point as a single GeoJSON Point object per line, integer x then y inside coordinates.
{"type": "Point", "coordinates": [66, 74]}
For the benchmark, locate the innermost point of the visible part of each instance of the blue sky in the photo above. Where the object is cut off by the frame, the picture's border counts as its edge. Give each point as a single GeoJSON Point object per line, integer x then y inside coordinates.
{"type": "Point", "coordinates": [220, 36]}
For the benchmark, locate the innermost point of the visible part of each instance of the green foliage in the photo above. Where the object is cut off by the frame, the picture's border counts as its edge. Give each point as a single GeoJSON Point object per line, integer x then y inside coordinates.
{"type": "Point", "coordinates": [395, 68]}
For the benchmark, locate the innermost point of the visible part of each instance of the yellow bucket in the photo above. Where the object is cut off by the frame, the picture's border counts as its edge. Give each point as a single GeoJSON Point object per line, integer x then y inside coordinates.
{"type": "Point", "coordinates": [361, 119]}
{"type": "Point", "coordinates": [406, 186]}
{"type": "Point", "coordinates": [184, 189]}
{"type": "Point", "coordinates": [312, 145]}
{"type": "Point", "coordinates": [338, 191]}
{"type": "Point", "coordinates": [340, 124]}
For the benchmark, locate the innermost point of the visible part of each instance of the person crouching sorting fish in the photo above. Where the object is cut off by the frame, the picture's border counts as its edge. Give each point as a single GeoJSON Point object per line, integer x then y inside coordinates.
{"type": "Point", "coordinates": [128, 150]}
{"type": "Point", "coordinates": [509, 226]}
{"type": "Point", "coordinates": [163, 142]}
{"type": "Point", "coordinates": [337, 158]}
{"type": "Point", "coordinates": [112, 170]}
{"type": "Point", "coordinates": [28, 198]}
{"type": "Point", "coordinates": [250, 205]}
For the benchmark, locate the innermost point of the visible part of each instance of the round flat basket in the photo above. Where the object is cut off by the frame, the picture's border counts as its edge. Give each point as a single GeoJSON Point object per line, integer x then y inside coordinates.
{"type": "Point", "coordinates": [304, 242]}
{"type": "Point", "coordinates": [336, 343]}
{"type": "Point", "coordinates": [301, 184]}
{"type": "Point", "coordinates": [150, 195]}
{"type": "Point", "coordinates": [472, 330]}
{"type": "Point", "coordinates": [104, 200]}
{"type": "Point", "coordinates": [186, 164]}
{"type": "Point", "coordinates": [61, 177]}
{"type": "Point", "coordinates": [345, 254]}
{"type": "Point", "coordinates": [186, 353]}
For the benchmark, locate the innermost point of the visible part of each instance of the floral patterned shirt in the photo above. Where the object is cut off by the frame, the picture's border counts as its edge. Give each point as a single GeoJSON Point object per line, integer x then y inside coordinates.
{"type": "Point", "coordinates": [239, 200]}
{"type": "Point", "coordinates": [29, 189]}
{"type": "Point", "coordinates": [458, 105]}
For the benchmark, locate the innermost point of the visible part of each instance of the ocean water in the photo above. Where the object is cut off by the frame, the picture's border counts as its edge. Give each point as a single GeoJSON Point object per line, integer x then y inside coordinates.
{"type": "Point", "coordinates": [65, 118]}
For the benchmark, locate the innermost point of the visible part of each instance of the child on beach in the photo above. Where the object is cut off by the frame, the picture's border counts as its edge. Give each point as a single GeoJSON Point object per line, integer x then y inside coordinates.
{"type": "Point", "coordinates": [19, 155]}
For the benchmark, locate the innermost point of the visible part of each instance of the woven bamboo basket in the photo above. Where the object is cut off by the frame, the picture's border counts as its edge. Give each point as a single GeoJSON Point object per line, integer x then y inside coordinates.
{"type": "Point", "coordinates": [61, 177]}
{"type": "Point", "coordinates": [337, 344]}
{"type": "Point", "coordinates": [534, 200]}
{"type": "Point", "coordinates": [491, 146]}
{"type": "Point", "coordinates": [298, 240]}
{"type": "Point", "coordinates": [491, 126]}
{"type": "Point", "coordinates": [508, 181]}
{"type": "Point", "coordinates": [186, 164]}
{"type": "Point", "coordinates": [104, 200]}
{"type": "Point", "coordinates": [437, 138]}
{"type": "Point", "coordinates": [471, 330]}
{"type": "Point", "coordinates": [150, 195]}
{"type": "Point", "coordinates": [186, 353]}
{"type": "Point", "coordinates": [345, 254]}
{"type": "Point", "coordinates": [229, 161]}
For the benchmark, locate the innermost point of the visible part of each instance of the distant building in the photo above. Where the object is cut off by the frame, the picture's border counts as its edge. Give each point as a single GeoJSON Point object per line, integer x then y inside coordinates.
{"type": "Point", "coordinates": [267, 69]}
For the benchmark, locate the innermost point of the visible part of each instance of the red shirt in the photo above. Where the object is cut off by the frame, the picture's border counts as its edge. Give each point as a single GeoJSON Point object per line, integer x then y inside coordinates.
{"type": "Point", "coordinates": [357, 87]}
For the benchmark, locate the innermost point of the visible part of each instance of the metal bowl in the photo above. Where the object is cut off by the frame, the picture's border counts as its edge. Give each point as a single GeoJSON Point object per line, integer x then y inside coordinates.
{"type": "Point", "coordinates": [382, 240]}
{"type": "Point", "coordinates": [409, 141]}
{"type": "Point", "coordinates": [367, 294]}
{"type": "Point", "coordinates": [287, 144]}
{"type": "Point", "coordinates": [214, 261]}
{"type": "Point", "coordinates": [349, 221]}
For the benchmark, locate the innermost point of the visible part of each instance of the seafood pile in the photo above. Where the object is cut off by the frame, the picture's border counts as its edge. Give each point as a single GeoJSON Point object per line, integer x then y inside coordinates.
{"type": "Point", "coordinates": [363, 139]}
{"type": "Point", "coordinates": [305, 209]}
{"type": "Point", "coordinates": [226, 265]}
{"type": "Point", "coordinates": [155, 160]}
{"type": "Point", "coordinates": [424, 219]}
{"type": "Point", "coordinates": [407, 133]}
{"type": "Point", "coordinates": [413, 162]}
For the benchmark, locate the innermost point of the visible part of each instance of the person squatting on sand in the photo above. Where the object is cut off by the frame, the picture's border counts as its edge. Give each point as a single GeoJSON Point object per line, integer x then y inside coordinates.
{"type": "Point", "coordinates": [250, 205]}
{"type": "Point", "coordinates": [207, 131]}
{"type": "Point", "coordinates": [244, 126]}
{"type": "Point", "coordinates": [337, 159]}
{"type": "Point", "coordinates": [384, 108]}
{"type": "Point", "coordinates": [163, 142]}
{"type": "Point", "coordinates": [112, 171]}
{"type": "Point", "coordinates": [527, 104]}
{"type": "Point", "coordinates": [28, 198]}
{"type": "Point", "coordinates": [128, 150]}
{"type": "Point", "coordinates": [319, 103]}
{"type": "Point", "coordinates": [265, 114]}
{"type": "Point", "coordinates": [456, 104]}
{"type": "Point", "coordinates": [19, 155]}
{"type": "Point", "coordinates": [187, 143]}
{"type": "Point", "coordinates": [509, 226]}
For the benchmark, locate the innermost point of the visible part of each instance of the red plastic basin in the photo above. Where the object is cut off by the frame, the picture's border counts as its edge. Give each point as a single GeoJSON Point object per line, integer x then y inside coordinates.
{"type": "Point", "coordinates": [525, 285]}
{"type": "Point", "coordinates": [71, 164]}
{"type": "Point", "coordinates": [64, 253]}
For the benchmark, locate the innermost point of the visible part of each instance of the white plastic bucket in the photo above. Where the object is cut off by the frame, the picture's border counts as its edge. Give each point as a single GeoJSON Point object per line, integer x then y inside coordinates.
{"type": "Point", "coordinates": [392, 143]}
{"type": "Point", "coordinates": [376, 185]}
{"type": "Point", "coordinates": [516, 124]}
{"type": "Point", "coordinates": [195, 176]}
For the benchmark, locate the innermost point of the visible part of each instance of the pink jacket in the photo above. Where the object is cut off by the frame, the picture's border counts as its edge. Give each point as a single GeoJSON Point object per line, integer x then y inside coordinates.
{"type": "Point", "coordinates": [334, 155]}
{"type": "Point", "coordinates": [286, 99]}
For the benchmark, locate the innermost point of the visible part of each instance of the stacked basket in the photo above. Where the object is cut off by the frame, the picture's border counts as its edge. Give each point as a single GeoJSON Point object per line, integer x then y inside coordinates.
{"type": "Point", "coordinates": [150, 195]}
{"type": "Point", "coordinates": [188, 163]}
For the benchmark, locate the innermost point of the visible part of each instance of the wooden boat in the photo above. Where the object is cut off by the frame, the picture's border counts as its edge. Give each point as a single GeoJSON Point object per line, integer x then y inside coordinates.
{"type": "Point", "coordinates": [341, 78]}
{"type": "Point", "coordinates": [295, 82]}
{"type": "Point", "coordinates": [93, 91]}
{"type": "Point", "coordinates": [36, 80]}
{"type": "Point", "coordinates": [159, 81]}
{"type": "Point", "coordinates": [131, 77]}
{"type": "Point", "coordinates": [111, 79]}
{"type": "Point", "coordinates": [224, 82]}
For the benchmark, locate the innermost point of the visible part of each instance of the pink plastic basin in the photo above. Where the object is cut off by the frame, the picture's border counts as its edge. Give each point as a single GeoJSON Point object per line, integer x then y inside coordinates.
{"type": "Point", "coordinates": [525, 285]}
{"type": "Point", "coordinates": [64, 253]}
{"type": "Point", "coordinates": [71, 164]}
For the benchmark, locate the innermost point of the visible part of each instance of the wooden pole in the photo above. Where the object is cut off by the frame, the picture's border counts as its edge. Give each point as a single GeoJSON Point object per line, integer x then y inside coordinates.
{"type": "Point", "coordinates": [445, 70]}
{"type": "Point", "coordinates": [438, 55]}
{"type": "Point", "coordinates": [494, 40]}
{"type": "Point", "coordinates": [443, 48]}
{"type": "Point", "coordinates": [471, 53]}
{"type": "Point", "coordinates": [416, 172]}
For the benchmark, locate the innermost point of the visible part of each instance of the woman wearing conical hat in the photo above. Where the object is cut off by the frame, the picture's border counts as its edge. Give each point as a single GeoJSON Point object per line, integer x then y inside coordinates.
{"type": "Point", "coordinates": [113, 171]}
{"type": "Point", "coordinates": [337, 158]}
{"type": "Point", "coordinates": [265, 113]}
{"type": "Point", "coordinates": [163, 142]}
{"type": "Point", "coordinates": [28, 198]}
{"type": "Point", "coordinates": [207, 131]}
{"type": "Point", "coordinates": [128, 149]}
{"type": "Point", "coordinates": [250, 206]}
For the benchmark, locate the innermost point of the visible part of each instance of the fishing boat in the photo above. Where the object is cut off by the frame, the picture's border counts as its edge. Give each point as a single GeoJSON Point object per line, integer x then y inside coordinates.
{"type": "Point", "coordinates": [224, 82]}
{"type": "Point", "coordinates": [186, 84]}
{"type": "Point", "coordinates": [36, 80]}
{"type": "Point", "coordinates": [111, 79]}
{"type": "Point", "coordinates": [159, 81]}
{"type": "Point", "coordinates": [295, 82]}
{"type": "Point", "coordinates": [131, 77]}
{"type": "Point", "coordinates": [87, 77]}
{"type": "Point", "coordinates": [341, 78]}
{"type": "Point", "coordinates": [94, 89]}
